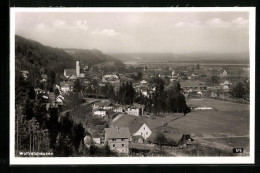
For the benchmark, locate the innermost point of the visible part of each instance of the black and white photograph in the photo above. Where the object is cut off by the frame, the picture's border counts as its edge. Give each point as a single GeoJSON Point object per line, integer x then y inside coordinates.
{"type": "Point", "coordinates": [132, 85]}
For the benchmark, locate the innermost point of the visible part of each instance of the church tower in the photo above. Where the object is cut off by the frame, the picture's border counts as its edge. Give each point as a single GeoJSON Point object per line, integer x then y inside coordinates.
{"type": "Point", "coordinates": [77, 68]}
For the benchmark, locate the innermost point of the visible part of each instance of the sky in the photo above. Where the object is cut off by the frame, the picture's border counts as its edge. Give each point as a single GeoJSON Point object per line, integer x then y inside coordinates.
{"type": "Point", "coordinates": [132, 32]}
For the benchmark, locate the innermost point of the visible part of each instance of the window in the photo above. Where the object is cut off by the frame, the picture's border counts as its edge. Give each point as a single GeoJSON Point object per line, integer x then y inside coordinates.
{"type": "Point", "coordinates": [113, 145]}
{"type": "Point", "coordinates": [141, 133]}
{"type": "Point", "coordinates": [122, 139]}
{"type": "Point", "coordinates": [147, 133]}
{"type": "Point", "coordinates": [123, 145]}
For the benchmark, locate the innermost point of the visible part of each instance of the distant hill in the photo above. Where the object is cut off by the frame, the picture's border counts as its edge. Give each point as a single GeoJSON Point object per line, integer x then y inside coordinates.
{"type": "Point", "coordinates": [30, 54]}
{"type": "Point", "coordinates": [204, 57]}
{"type": "Point", "coordinates": [94, 57]}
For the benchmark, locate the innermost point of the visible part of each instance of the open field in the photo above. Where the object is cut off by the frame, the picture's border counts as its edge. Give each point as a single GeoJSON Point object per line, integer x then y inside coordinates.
{"type": "Point", "coordinates": [218, 105]}
{"type": "Point", "coordinates": [224, 127]}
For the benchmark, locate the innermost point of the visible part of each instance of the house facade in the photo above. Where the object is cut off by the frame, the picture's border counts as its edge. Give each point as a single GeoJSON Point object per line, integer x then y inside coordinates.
{"type": "Point", "coordinates": [144, 131]}
{"type": "Point", "coordinates": [118, 138]}
{"type": "Point", "coordinates": [100, 113]}
{"type": "Point", "coordinates": [135, 109]}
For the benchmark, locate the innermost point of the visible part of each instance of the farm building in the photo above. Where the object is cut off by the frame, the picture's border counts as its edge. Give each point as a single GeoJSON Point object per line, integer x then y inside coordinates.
{"type": "Point", "coordinates": [100, 112]}
{"type": "Point", "coordinates": [66, 86]}
{"type": "Point", "coordinates": [106, 105]}
{"type": "Point", "coordinates": [224, 74]}
{"type": "Point", "coordinates": [96, 137]}
{"type": "Point", "coordinates": [172, 139]}
{"type": "Point", "coordinates": [138, 127]}
{"type": "Point", "coordinates": [135, 109]}
{"type": "Point", "coordinates": [118, 138]}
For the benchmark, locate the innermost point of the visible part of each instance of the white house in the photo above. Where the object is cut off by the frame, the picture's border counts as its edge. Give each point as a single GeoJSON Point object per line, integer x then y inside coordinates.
{"type": "Point", "coordinates": [66, 86]}
{"type": "Point", "coordinates": [226, 87]}
{"type": "Point", "coordinates": [224, 74]}
{"type": "Point", "coordinates": [100, 112]}
{"type": "Point", "coordinates": [143, 131]}
{"type": "Point", "coordinates": [118, 109]}
{"type": "Point", "coordinates": [135, 109]}
{"type": "Point", "coordinates": [145, 93]}
{"type": "Point", "coordinates": [143, 82]}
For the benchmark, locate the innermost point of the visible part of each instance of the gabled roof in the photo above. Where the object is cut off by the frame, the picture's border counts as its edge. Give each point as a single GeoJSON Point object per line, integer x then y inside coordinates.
{"type": "Point", "coordinates": [132, 122]}
{"type": "Point", "coordinates": [70, 72]}
{"type": "Point", "coordinates": [135, 122]}
{"type": "Point", "coordinates": [138, 106]}
{"type": "Point", "coordinates": [117, 132]}
{"type": "Point", "coordinates": [173, 138]}
{"type": "Point", "coordinates": [104, 104]}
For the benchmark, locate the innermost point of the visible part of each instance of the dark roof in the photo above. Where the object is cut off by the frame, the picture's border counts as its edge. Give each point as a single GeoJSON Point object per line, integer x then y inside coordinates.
{"type": "Point", "coordinates": [106, 103]}
{"type": "Point", "coordinates": [96, 135]}
{"type": "Point", "coordinates": [173, 138]}
{"type": "Point", "coordinates": [133, 123]}
{"type": "Point", "coordinates": [117, 132]}
{"type": "Point", "coordinates": [70, 72]}
{"type": "Point", "coordinates": [138, 106]}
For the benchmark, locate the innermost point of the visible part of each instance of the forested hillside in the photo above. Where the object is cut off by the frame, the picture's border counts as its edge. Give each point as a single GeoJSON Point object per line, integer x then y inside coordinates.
{"type": "Point", "coordinates": [93, 57]}
{"type": "Point", "coordinates": [32, 55]}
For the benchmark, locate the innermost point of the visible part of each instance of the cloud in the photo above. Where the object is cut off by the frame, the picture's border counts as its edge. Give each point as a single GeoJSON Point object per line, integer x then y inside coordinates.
{"type": "Point", "coordinates": [59, 23]}
{"type": "Point", "coordinates": [240, 21]}
{"type": "Point", "coordinates": [194, 24]}
{"type": "Point", "coordinates": [44, 27]}
{"type": "Point", "coordinates": [105, 32]}
{"type": "Point", "coordinates": [217, 22]}
{"type": "Point", "coordinates": [214, 22]}
{"type": "Point", "coordinates": [79, 25]}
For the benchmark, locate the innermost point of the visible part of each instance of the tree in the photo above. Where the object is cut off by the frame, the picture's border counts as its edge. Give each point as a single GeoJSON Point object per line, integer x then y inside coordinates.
{"type": "Point", "coordinates": [198, 66]}
{"type": "Point", "coordinates": [239, 90]}
{"type": "Point", "coordinates": [78, 133]}
{"type": "Point", "coordinates": [77, 86]}
{"type": "Point", "coordinates": [56, 92]}
{"type": "Point", "coordinates": [213, 80]}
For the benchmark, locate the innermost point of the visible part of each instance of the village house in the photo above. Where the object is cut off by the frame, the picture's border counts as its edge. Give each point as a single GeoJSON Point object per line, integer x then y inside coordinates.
{"type": "Point", "coordinates": [117, 139]}
{"type": "Point", "coordinates": [66, 86]}
{"type": "Point", "coordinates": [138, 127]}
{"type": "Point", "coordinates": [224, 74]}
{"type": "Point", "coordinates": [106, 105]}
{"type": "Point", "coordinates": [173, 139]}
{"type": "Point", "coordinates": [96, 137]}
{"type": "Point", "coordinates": [110, 78]}
{"type": "Point", "coordinates": [118, 109]}
{"type": "Point", "coordinates": [143, 131]}
{"type": "Point", "coordinates": [135, 109]}
{"type": "Point", "coordinates": [143, 82]}
{"type": "Point", "coordinates": [44, 78]}
{"type": "Point", "coordinates": [100, 112]}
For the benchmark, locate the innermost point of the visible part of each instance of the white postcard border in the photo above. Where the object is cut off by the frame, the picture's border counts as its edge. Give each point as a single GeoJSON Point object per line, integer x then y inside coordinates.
{"type": "Point", "coordinates": [133, 160]}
